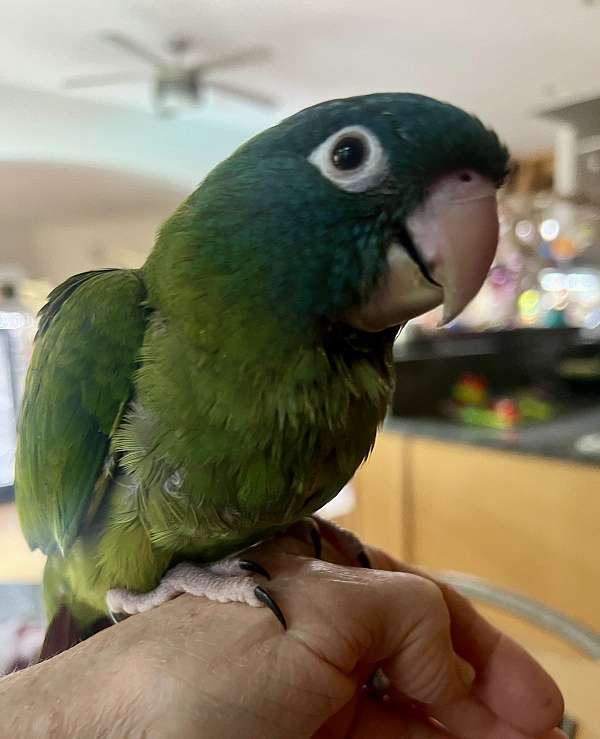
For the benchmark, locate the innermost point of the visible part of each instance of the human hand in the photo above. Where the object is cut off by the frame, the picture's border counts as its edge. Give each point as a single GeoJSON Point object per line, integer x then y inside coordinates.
{"type": "Point", "coordinates": [197, 668]}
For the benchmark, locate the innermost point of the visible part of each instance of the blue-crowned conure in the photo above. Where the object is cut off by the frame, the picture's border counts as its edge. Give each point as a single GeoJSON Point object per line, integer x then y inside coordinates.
{"type": "Point", "coordinates": [176, 414]}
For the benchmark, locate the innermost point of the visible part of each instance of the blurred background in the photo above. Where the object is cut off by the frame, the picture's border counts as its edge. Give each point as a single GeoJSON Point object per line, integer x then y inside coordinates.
{"type": "Point", "coordinates": [489, 463]}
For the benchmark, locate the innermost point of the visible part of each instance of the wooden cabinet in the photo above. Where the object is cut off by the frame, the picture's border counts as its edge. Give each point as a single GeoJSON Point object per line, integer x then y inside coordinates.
{"type": "Point", "coordinates": [381, 517]}
{"type": "Point", "coordinates": [17, 562]}
{"type": "Point", "coordinates": [525, 523]}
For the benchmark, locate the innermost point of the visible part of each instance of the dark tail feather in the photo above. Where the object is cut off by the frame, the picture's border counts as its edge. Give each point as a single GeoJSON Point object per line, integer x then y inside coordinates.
{"type": "Point", "coordinates": [64, 633]}
{"type": "Point", "coordinates": [61, 634]}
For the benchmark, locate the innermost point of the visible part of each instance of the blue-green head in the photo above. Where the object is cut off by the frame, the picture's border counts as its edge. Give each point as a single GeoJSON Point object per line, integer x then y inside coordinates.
{"type": "Point", "coordinates": [364, 211]}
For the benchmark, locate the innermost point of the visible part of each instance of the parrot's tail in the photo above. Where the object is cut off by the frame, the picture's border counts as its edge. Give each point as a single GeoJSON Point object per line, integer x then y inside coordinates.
{"type": "Point", "coordinates": [63, 633]}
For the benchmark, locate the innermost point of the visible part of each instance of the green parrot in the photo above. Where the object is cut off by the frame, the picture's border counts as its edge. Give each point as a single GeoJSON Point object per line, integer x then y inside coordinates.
{"type": "Point", "coordinates": [177, 414]}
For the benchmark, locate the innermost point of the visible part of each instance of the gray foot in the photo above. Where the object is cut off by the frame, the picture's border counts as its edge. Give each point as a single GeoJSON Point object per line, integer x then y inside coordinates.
{"type": "Point", "coordinates": [226, 581]}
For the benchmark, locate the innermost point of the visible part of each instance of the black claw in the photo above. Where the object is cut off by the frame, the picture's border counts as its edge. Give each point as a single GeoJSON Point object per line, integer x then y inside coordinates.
{"type": "Point", "coordinates": [117, 617]}
{"type": "Point", "coordinates": [268, 601]}
{"type": "Point", "coordinates": [252, 566]}
{"type": "Point", "coordinates": [363, 559]}
{"type": "Point", "coordinates": [315, 537]}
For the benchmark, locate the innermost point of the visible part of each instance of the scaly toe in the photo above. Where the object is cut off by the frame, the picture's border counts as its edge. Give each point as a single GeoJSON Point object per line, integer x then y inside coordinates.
{"type": "Point", "coordinates": [115, 605]}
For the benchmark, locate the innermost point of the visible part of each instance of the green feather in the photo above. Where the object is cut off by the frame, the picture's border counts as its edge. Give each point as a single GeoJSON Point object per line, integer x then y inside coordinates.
{"type": "Point", "coordinates": [218, 382]}
{"type": "Point", "coordinates": [79, 381]}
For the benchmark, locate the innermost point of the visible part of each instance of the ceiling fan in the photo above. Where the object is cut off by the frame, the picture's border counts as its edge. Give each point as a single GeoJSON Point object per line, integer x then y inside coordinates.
{"type": "Point", "coordinates": [178, 82]}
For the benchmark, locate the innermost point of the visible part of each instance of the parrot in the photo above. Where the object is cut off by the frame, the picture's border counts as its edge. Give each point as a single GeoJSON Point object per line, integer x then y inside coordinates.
{"type": "Point", "coordinates": [177, 414]}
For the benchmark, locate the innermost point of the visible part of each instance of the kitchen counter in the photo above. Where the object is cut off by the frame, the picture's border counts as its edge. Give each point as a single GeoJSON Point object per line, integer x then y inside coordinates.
{"type": "Point", "coordinates": [507, 363]}
{"type": "Point", "coordinates": [558, 439]}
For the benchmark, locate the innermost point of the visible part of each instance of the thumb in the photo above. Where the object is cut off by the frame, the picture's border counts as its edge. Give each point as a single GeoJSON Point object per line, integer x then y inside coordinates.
{"type": "Point", "coordinates": [420, 661]}
{"type": "Point", "coordinates": [393, 620]}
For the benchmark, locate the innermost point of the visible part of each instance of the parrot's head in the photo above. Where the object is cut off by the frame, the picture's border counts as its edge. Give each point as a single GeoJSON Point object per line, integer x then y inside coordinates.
{"type": "Point", "coordinates": [366, 211]}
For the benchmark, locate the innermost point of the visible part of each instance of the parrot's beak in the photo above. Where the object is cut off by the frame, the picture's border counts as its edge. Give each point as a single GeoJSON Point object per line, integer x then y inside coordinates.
{"type": "Point", "coordinates": [444, 256]}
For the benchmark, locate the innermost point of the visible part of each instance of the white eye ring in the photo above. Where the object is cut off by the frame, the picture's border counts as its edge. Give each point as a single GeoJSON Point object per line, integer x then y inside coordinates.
{"type": "Point", "coordinates": [370, 172]}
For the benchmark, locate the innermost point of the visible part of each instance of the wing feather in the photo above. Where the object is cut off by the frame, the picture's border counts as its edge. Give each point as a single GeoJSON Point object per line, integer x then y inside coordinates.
{"type": "Point", "coordinates": [78, 384]}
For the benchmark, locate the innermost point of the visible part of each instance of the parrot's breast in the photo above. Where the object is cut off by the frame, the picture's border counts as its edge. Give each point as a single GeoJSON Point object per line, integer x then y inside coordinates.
{"type": "Point", "coordinates": [219, 454]}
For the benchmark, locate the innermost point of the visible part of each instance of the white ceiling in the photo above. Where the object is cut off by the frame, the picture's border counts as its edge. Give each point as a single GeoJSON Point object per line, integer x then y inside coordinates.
{"type": "Point", "coordinates": [76, 155]}
{"type": "Point", "coordinates": [31, 193]}
{"type": "Point", "coordinates": [503, 58]}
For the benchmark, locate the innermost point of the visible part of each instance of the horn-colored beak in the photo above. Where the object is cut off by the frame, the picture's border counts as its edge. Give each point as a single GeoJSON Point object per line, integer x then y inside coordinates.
{"type": "Point", "coordinates": [455, 234]}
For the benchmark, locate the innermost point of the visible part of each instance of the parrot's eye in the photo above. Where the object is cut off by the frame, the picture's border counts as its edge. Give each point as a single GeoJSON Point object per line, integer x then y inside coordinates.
{"type": "Point", "coordinates": [349, 153]}
{"type": "Point", "coordinates": [352, 158]}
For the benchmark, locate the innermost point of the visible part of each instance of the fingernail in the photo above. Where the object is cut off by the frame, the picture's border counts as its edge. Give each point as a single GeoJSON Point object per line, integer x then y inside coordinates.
{"type": "Point", "coordinates": [466, 672]}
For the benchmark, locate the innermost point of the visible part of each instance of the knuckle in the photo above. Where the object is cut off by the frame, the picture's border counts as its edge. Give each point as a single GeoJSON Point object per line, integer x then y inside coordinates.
{"type": "Point", "coordinates": [428, 606]}
{"type": "Point", "coordinates": [429, 592]}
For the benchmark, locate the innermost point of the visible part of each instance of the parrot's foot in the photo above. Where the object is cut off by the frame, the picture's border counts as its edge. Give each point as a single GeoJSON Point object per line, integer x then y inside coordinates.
{"type": "Point", "coordinates": [226, 581]}
{"type": "Point", "coordinates": [307, 530]}
{"type": "Point", "coordinates": [341, 539]}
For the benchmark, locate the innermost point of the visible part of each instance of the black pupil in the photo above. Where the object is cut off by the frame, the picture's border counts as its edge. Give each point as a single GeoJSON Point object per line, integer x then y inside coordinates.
{"type": "Point", "coordinates": [349, 153]}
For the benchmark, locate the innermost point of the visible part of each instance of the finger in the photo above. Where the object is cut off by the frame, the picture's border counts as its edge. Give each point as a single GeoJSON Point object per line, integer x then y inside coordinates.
{"type": "Point", "coordinates": [386, 721]}
{"type": "Point", "coordinates": [394, 620]}
{"type": "Point", "coordinates": [509, 681]}
{"type": "Point", "coordinates": [513, 690]}
{"type": "Point", "coordinates": [470, 719]}
{"type": "Point", "coordinates": [365, 718]}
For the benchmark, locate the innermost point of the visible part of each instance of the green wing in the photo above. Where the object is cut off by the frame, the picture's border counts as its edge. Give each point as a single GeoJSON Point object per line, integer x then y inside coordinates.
{"type": "Point", "coordinates": [79, 382]}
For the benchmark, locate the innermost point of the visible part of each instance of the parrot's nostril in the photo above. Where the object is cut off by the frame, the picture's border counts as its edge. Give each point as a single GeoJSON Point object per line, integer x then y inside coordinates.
{"type": "Point", "coordinates": [465, 177]}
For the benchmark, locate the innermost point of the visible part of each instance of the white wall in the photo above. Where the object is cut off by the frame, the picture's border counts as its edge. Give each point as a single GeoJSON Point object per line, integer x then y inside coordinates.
{"type": "Point", "coordinates": [53, 251]}
{"type": "Point", "coordinates": [62, 249]}
{"type": "Point", "coordinates": [17, 255]}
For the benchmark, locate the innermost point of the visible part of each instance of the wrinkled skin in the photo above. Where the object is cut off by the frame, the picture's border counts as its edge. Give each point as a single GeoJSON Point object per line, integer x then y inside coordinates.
{"type": "Point", "coordinates": [197, 668]}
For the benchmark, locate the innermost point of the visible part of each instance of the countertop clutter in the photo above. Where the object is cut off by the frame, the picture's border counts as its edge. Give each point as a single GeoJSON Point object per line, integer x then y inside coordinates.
{"type": "Point", "coordinates": [573, 436]}
{"type": "Point", "coordinates": [503, 390]}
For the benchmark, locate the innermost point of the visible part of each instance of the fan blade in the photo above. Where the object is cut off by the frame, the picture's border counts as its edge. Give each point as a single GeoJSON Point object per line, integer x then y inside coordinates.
{"type": "Point", "coordinates": [97, 80]}
{"type": "Point", "coordinates": [240, 92]}
{"type": "Point", "coordinates": [133, 47]}
{"type": "Point", "coordinates": [258, 53]}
